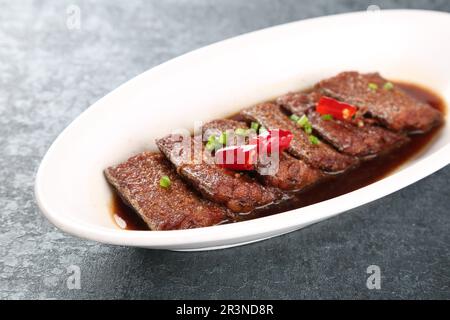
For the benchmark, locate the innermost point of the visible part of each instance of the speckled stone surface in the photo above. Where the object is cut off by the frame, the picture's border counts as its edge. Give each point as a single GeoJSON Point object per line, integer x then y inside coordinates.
{"type": "Point", "coordinates": [49, 74]}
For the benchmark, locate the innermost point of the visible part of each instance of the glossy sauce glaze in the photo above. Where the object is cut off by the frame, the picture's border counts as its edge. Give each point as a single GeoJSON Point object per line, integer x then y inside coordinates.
{"type": "Point", "coordinates": [367, 173]}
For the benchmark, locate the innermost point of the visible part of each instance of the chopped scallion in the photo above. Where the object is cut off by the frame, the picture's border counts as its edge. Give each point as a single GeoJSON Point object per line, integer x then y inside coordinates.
{"type": "Point", "coordinates": [164, 182]}
{"type": "Point", "coordinates": [254, 126]}
{"type": "Point", "coordinates": [212, 138]}
{"type": "Point", "coordinates": [327, 117]}
{"type": "Point", "coordinates": [294, 117]}
{"type": "Point", "coordinates": [373, 86]}
{"type": "Point", "coordinates": [388, 86]}
{"type": "Point", "coordinates": [223, 138]}
{"type": "Point", "coordinates": [262, 129]}
{"type": "Point", "coordinates": [303, 121]}
{"type": "Point", "coordinates": [210, 146]}
{"type": "Point", "coordinates": [314, 139]}
{"type": "Point", "coordinates": [307, 128]}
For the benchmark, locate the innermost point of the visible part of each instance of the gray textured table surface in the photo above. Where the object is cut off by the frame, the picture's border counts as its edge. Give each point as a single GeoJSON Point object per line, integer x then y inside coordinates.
{"type": "Point", "coordinates": [50, 74]}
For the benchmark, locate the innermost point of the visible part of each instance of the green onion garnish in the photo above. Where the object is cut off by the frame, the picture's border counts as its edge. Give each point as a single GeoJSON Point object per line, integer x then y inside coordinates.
{"type": "Point", "coordinates": [223, 138]}
{"type": "Point", "coordinates": [294, 117]}
{"type": "Point", "coordinates": [262, 129]}
{"type": "Point", "coordinates": [373, 86]}
{"type": "Point", "coordinates": [388, 86]}
{"type": "Point", "coordinates": [212, 143]}
{"type": "Point", "coordinates": [165, 182]}
{"type": "Point", "coordinates": [210, 146]}
{"type": "Point", "coordinates": [254, 126]}
{"type": "Point", "coordinates": [308, 128]}
{"type": "Point", "coordinates": [303, 121]}
{"type": "Point", "coordinates": [314, 139]}
{"type": "Point", "coordinates": [327, 117]}
{"type": "Point", "coordinates": [212, 138]}
{"type": "Point", "coordinates": [240, 132]}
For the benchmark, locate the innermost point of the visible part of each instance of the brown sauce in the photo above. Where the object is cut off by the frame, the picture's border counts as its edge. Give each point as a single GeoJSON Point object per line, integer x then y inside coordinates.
{"type": "Point", "coordinates": [366, 174]}
{"type": "Point", "coordinates": [124, 216]}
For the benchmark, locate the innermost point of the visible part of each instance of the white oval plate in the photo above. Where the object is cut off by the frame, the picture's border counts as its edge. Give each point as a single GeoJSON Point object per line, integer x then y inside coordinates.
{"type": "Point", "coordinates": [221, 79]}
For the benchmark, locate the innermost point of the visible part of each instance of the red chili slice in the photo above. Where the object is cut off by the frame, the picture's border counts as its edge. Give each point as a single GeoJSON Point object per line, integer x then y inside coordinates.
{"type": "Point", "coordinates": [337, 109]}
{"type": "Point", "coordinates": [276, 140]}
{"type": "Point", "coordinates": [237, 157]}
{"type": "Point", "coordinates": [244, 157]}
